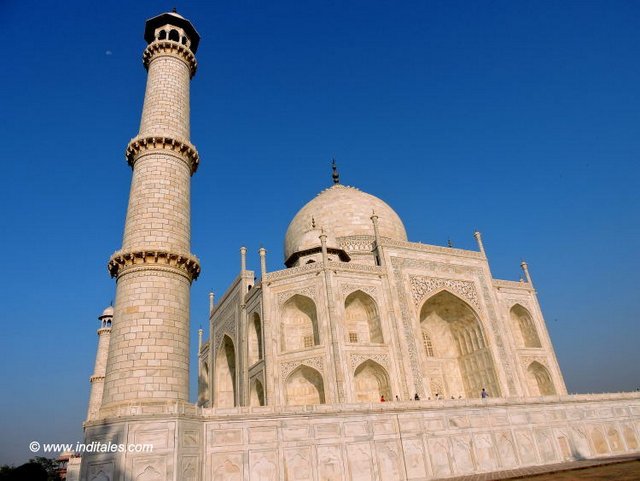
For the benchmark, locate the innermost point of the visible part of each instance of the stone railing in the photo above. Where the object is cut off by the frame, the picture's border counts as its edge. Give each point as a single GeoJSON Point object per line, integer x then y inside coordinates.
{"type": "Point", "coordinates": [512, 284]}
{"type": "Point", "coordinates": [431, 248]}
{"type": "Point", "coordinates": [180, 408]}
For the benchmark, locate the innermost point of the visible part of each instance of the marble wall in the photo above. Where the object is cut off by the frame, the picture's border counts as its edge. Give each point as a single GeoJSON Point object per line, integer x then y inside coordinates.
{"type": "Point", "coordinates": [356, 442]}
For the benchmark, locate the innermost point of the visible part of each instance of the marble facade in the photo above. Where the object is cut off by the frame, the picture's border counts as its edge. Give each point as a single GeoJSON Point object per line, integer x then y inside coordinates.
{"type": "Point", "coordinates": [297, 361]}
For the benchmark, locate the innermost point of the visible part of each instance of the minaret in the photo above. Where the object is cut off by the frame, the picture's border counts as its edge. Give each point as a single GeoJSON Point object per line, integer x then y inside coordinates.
{"type": "Point", "coordinates": [97, 380]}
{"type": "Point", "coordinates": [149, 349]}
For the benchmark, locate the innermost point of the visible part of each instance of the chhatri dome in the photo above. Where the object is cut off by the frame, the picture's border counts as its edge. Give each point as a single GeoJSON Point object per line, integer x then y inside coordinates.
{"type": "Point", "coordinates": [340, 211]}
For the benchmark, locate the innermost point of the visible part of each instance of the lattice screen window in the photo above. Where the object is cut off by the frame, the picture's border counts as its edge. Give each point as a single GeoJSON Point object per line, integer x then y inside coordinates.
{"type": "Point", "coordinates": [353, 337]}
{"type": "Point", "coordinates": [308, 341]}
{"type": "Point", "coordinates": [428, 345]}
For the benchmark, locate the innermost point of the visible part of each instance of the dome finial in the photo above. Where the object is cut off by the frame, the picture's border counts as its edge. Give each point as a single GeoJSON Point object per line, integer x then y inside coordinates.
{"type": "Point", "coordinates": [313, 222]}
{"type": "Point", "coordinates": [335, 174]}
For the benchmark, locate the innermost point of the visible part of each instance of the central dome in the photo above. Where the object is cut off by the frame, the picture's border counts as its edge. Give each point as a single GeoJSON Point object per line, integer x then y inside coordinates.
{"type": "Point", "coordinates": [342, 211]}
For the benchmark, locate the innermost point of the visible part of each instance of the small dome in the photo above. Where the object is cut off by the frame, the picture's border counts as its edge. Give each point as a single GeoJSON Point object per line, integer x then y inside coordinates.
{"type": "Point", "coordinates": [108, 312]}
{"type": "Point", "coordinates": [342, 211]}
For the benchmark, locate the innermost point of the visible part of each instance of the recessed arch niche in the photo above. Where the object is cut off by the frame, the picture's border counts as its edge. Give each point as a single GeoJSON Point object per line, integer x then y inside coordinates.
{"type": "Point", "coordinates": [458, 347]}
{"type": "Point", "coordinates": [256, 397]}
{"type": "Point", "coordinates": [299, 324]}
{"type": "Point", "coordinates": [362, 319]}
{"type": "Point", "coordinates": [371, 381]}
{"type": "Point", "coordinates": [304, 386]}
{"type": "Point", "coordinates": [226, 374]}
{"type": "Point", "coordinates": [255, 339]}
{"type": "Point", "coordinates": [539, 380]}
{"type": "Point", "coordinates": [523, 324]}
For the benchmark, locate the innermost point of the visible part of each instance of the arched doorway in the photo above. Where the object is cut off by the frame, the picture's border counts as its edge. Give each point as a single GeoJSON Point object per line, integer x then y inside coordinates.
{"type": "Point", "coordinates": [255, 339]}
{"type": "Point", "coordinates": [203, 384]}
{"type": "Point", "coordinates": [304, 386]}
{"type": "Point", "coordinates": [226, 374]}
{"type": "Point", "coordinates": [539, 380]}
{"type": "Point", "coordinates": [299, 325]}
{"type": "Point", "coordinates": [523, 324]}
{"type": "Point", "coordinates": [362, 320]}
{"type": "Point", "coordinates": [257, 394]}
{"type": "Point", "coordinates": [455, 347]}
{"type": "Point", "coordinates": [371, 381]}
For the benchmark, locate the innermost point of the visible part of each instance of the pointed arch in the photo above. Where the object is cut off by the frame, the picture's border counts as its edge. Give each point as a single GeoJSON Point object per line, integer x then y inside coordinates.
{"type": "Point", "coordinates": [362, 319]}
{"type": "Point", "coordinates": [539, 380]}
{"type": "Point", "coordinates": [299, 324]}
{"type": "Point", "coordinates": [523, 324]}
{"type": "Point", "coordinates": [226, 374]}
{"type": "Point", "coordinates": [371, 381]}
{"type": "Point", "coordinates": [257, 393]}
{"type": "Point", "coordinates": [460, 354]}
{"type": "Point", "coordinates": [255, 339]}
{"type": "Point", "coordinates": [304, 386]}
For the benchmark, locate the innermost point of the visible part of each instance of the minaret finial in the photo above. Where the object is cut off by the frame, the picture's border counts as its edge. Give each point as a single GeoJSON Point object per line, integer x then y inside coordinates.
{"type": "Point", "coordinates": [174, 10]}
{"type": "Point", "coordinates": [449, 242]}
{"type": "Point", "coordinates": [335, 174]}
{"type": "Point", "coordinates": [313, 222]}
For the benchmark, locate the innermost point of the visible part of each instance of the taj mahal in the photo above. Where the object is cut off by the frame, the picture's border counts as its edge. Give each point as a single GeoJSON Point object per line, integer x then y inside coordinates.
{"type": "Point", "coordinates": [367, 357]}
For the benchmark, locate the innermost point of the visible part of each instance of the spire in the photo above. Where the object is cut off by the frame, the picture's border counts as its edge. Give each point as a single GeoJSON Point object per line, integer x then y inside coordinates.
{"type": "Point", "coordinates": [335, 175]}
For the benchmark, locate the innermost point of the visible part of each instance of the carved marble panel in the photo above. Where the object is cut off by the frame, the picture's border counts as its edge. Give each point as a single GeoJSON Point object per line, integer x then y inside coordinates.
{"type": "Point", "coordinates": [546, 446]}
{"type": "Point", "coordinates": [327, 430]}
{"type": "Point", "coordinates": [506, 450]}
{"type": "Point", "coordinates": [360, 462]}
{"type": "Point", "coordinates": [295, 433]}
{"type": "Point", "coordinates": [615, 441]}
{"type": "Point", "coordinates": [287, 367]}
{"type": "Point", "coordinates": [389, 460]}
{"type": "Point", "coordinates": [598, 441]}
{"type": "Point", "coordinates": [357, 359]}
{"type": "Point", "coordinates": [349, 288]}
{"type": "Point", "coordinates": [190, 468]}
{"type": "Point", "coordinates": [158, 438]}
{"type": "Point", "coordinates": [297, 462]}
{"type": "Point", "coordinates": [485, 452]}
{"type": "Point", "coordinates": [150, 469]}
{"type": "Point", "coordinates": [191, 438]}
{"type": "Point", "coordinates": [440, 457]}
{"type": "Point", "coordinates": [462, 455]}
{"type": "Point", "coordinates": [356, 428]}
{"type": "Point", "coordinates": [422, 286]}
{"type": "Point", "coordinates": [414, 459]}
{"type": "Point", "coordinates": [630, 437]}
{"type": "Point", "coordinates": [526, 447]}
{"type": "Point", "coordinates": [330, 464]}
{"type": "Point", "coordinates": [225, 437]}
{"type": "Point", "coordinates": [266, 434]}
{"type": "Point", "coordinates": [100, 471]}
{"type": "Point", "coordinates": [387, 426]}
{"type": "Point", "coordinates": [227, 467]}
{"type": "Point", "coordinates": [309, 292]}
{"type": "Point", "coordinates": [263, 465]}
{"type": "Point", "coordinates": [580, 441]}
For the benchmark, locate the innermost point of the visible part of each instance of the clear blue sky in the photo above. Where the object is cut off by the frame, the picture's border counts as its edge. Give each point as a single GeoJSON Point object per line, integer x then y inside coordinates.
{"type": "Point", "coordinates": [520, 119]}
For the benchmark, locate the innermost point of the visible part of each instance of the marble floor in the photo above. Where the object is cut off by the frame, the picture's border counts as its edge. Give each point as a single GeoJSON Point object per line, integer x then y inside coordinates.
{"type": "Point", "coordinates": [622, 468]}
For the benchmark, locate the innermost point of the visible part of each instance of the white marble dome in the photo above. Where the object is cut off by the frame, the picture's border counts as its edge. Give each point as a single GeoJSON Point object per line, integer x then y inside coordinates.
{"type": "Point", "coordinates": [342, 211]}
{"type": "Point", "coordinates": [108, 312]}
